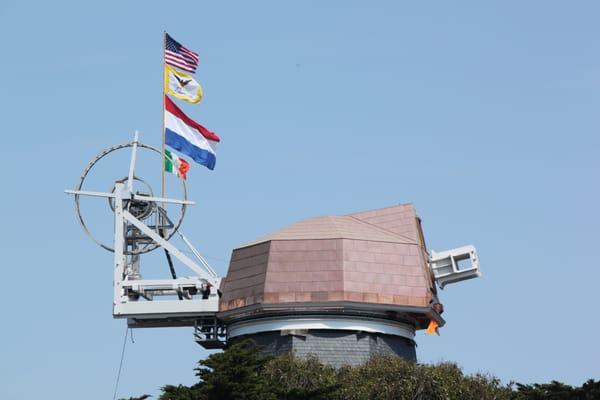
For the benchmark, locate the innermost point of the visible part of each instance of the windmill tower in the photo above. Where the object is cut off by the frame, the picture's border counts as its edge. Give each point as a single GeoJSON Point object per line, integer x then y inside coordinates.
{"type": "Point", "coordinates": [344, 288]}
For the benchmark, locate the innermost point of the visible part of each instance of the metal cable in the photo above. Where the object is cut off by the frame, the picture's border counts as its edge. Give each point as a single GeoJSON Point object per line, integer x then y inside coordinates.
{"type": "Point", "coordinates": [120, 364]}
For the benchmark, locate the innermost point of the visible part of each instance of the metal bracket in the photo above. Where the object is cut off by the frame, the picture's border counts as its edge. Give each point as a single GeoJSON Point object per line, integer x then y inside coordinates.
{"type": "Point", "coordinates": [210, 333]}
{"type": "Point", "coordinates": [446, 266]}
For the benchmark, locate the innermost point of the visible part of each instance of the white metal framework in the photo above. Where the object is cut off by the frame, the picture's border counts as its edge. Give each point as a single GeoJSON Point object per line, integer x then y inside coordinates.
{"type": "Point", "coordinates": [142, 225]}
{"type": "Point", "coordinates": [446, 268]}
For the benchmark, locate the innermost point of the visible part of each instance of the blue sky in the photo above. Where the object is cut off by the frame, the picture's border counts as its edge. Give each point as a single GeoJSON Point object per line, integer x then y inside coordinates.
{"type": "Point", "coordinates": [482, 114]}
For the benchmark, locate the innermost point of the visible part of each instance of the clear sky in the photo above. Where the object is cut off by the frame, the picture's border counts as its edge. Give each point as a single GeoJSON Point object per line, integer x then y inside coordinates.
{"type": "Point", "coordinates": [482, 114]}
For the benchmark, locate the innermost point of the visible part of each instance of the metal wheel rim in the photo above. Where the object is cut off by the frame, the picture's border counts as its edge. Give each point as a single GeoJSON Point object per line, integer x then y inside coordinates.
{"type": "Point", "coordinates": [79, 186]}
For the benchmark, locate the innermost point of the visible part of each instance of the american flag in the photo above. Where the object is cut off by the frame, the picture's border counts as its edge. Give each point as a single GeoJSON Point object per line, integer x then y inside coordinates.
{"type": "Point", "coordinates": [179, 56]}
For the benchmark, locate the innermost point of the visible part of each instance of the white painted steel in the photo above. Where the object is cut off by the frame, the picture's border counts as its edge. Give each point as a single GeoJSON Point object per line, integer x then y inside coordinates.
{"type": "Point", "coordinates": [124, 307]}
{"type": "Point", "coordinates": [167, 308]}
{"type": "Point", "coordinates": [163, 283]}
{"type": "Point", "coordinates": [135, 197]}
{"type": "Point", "coordinates": [132, 162]}
{"type": "Point", "coordinates": [444, 265]}
{"type": "Point", "coordinates": [78, 192]}
{"type": "Point", "coordinates": [144, 285]}
{"type": "Point", "coordinates": [165, 244]}
{"type": "Point", "coordinates": [145, 298]}
{"type": "Point", "coordinates": [341, 323]}
{"type": "Point", "coordinates": [162, 199]}
{"type": "Point", "coordinates": [89, 193]}
{"type": "Point", "coordinates": [197, 254]}
{"type": "Point", "coordinates": [120, 257]}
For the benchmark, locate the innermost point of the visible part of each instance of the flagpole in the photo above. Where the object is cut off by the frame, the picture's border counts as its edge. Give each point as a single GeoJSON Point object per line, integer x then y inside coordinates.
{"type": "Point", "coordinates": [162, 167]}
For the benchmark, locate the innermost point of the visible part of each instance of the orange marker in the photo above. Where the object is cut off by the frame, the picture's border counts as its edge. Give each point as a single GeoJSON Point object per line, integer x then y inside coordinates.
{"type": "Point", "coordinates": [432, 329]}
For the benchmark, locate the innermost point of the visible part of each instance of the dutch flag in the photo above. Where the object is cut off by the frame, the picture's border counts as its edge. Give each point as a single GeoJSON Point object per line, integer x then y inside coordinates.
{"type": "Point", "coordinates": [189, 137]}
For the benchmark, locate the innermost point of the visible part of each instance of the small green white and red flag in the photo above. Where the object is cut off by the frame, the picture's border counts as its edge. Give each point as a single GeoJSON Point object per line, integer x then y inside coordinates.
{"type": "Point", "coordinates": [176, 165]}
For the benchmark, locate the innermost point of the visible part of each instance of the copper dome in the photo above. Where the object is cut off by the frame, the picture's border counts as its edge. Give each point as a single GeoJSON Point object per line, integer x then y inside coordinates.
{"type": "Point", "coordinates": [374, 260]}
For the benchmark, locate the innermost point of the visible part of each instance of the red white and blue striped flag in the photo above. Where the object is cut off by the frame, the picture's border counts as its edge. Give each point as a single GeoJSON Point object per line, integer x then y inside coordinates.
{"type": "Point", "coordinates": [179, 56]}
{"type": "Point", "coordinates": [189, 137]}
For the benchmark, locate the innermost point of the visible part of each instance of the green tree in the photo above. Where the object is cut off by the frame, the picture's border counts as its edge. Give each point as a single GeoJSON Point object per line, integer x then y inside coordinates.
{"type": "Point", "coordinates": [234, 374]}
{"type": "Point", "coordinates": [554, 390]}
{"type": "Point", "coordinates": [590, 390]}
{"type": "Point", "coordinates": [180, 392]}
{"type": "Point", "coordinates": [547, 391]}
{"type": "Point", "coordinates": [293, 378]}
{"type": "Point", "coordinates": [241, 372]}
{"type": "Point", "coordinates": [380, 378]}
{"type": "Point", "coordinates": [386, 378]}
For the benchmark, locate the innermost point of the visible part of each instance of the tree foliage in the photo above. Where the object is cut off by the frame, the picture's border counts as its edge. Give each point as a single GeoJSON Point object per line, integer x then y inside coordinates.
{"type": "Point", "coordinates": [180, 392]}
{"type": "Point", "coordinates": [395, 378]}
{"type": "Point", "coordinates": [241, 372]}
{"type": "Point", "coordinates": [292, 378]}
{"type": "Point", "coordinates": [554, 390]}
{"type": "Point", "coordinates": [234, 374]}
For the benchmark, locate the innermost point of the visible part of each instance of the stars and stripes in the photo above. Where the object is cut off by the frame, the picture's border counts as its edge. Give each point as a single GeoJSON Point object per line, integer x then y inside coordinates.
{"type": "Point", "coordinates": [179, 56]}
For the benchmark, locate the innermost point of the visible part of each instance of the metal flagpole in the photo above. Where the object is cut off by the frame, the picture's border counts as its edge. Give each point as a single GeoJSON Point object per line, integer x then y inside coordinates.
{"type": "Point", "coordinates": [162, 169]}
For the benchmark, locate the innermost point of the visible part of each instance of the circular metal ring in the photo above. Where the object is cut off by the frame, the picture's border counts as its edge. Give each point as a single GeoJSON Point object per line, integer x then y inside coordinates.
{"type": "Point", "coordinates": [85, 173]}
